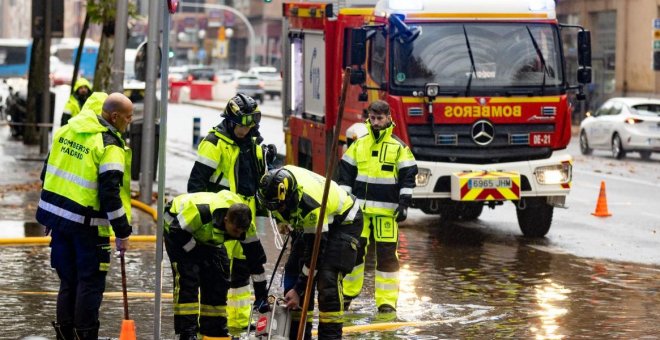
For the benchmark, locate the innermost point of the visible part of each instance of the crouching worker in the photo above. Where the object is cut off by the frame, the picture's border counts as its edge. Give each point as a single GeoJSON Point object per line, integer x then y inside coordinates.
{"type": "Point", "coordinates": [196, 226]}
{"type": "Point", "coordinates": [294, 196]}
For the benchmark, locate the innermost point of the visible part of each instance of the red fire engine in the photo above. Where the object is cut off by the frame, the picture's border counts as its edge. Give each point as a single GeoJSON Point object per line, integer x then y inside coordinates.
{"type": "Point", "coordinates": [478, 90]}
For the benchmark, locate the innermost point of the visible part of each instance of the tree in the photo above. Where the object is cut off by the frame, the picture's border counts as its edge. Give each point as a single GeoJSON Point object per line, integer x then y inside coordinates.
{"type": "Point", "coordinates": [103, 12]}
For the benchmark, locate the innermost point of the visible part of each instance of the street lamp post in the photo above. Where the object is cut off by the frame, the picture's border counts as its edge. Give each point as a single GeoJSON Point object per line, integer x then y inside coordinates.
{"type": "Point", "coordinates": [253, 39]}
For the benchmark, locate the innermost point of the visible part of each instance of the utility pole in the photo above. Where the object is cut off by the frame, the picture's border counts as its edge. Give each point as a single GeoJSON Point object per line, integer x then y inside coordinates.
{"type": "Point", "coordinates": [121, 23]}
{"type": "Point", "coordinates": [45, 94]}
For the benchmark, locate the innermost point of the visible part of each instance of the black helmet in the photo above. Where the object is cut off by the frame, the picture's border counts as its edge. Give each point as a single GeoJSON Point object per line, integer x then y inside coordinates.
{"type": "Point", "coordinates": [242, 110]}
{"type": "Point", "coordinates": [276, 189]}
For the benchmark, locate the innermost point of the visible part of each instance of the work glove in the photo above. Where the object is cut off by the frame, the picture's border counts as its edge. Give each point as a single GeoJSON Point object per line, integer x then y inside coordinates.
{"type": "Point", "coordinates": [401, 213]}
{"type": "Point", "coordinates": [271, 153]}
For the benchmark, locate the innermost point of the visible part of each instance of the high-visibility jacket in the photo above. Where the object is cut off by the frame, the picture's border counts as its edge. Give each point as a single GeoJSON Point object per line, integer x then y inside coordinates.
{"type": "Point", "coordinates": [87, 175]}
{"type": "Point", "coordinates": [380, 172]}
{"type": "Point", "coordinates": [340, 207]}
{"type": "Point", "coordinates": [73, 105]}
{"type": "Point", "coordinates": [194, 214]}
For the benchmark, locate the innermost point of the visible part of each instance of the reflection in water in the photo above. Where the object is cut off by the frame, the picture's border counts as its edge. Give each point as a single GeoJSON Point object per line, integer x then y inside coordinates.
{"type": "Point", "coordinates": [548, 295]}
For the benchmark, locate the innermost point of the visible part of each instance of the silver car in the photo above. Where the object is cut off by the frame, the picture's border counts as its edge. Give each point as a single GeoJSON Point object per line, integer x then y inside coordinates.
{"type": "Point", "coordinates": [623, 125]}
{"type": "Point", "coordinates": [252, 86]}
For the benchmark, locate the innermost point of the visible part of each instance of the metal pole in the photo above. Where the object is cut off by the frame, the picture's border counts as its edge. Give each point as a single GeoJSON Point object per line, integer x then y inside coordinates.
{"type": "Point", "coordinates": [118, 55]}
{"type": "Point", "coordinates": [253, 39]}
{"type": "Point", "coordinates": [148, 131]}
{"type": "Point", "coordinates": [81, 45]}
{"type": "Point", "coordinates": [161, 173]}
{"type": "Point", "coordinates": [324, 201]}
{"type": "Point", "coordinates": [45, 95]}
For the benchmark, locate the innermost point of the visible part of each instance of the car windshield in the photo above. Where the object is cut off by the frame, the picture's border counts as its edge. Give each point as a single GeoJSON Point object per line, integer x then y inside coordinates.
{"type": "Point", "coordinates": [648, 109]}
{"type": "Point", "coordinates": [479, 56]}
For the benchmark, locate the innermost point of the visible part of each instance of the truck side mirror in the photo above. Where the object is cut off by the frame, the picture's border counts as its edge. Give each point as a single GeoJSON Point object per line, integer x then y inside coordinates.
{"type": "Point", "coordinates": [584, 75]}
{"type": "Point", "coordinates": [358, 46]}
{"type": "Point", "coordinates": [584, 48]}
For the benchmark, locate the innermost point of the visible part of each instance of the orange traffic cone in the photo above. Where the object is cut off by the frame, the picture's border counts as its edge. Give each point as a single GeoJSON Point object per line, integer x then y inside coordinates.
{"type": "Point", "coordinates": [127, 330]}
{"type": "Point", "coordinates": [601, 206]}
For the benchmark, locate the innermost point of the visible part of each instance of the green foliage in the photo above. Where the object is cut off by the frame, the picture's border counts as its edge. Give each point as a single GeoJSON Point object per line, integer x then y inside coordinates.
{"type": "Point", "coordinates": [104, 11]}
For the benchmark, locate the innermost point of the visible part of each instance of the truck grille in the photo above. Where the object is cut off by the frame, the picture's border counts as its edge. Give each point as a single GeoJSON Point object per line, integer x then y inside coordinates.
{"type": "Point", "coordinates": [453, 143]}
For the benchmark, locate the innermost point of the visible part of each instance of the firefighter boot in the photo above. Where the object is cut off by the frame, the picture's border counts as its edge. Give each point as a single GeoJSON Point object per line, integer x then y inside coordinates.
{"type": "Point", "coordinates": [63, 332]}
{"type": "Point", "coordinates": [91, 333]}
{"type": "Point", "coordinates": [188, 336]}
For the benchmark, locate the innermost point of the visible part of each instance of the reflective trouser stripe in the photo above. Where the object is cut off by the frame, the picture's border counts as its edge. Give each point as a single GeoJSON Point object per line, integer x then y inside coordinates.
{"type": "Point", "coordinates": [295, 316]}
{"type": "Point", "coordinates": [186, 308]}
{"type": "Point", "coordinates": [239, 302]}
{"type": "Point", "coordinates": [208, 310]}
{"type": "Point", "coordinates": [331, 317]}
{"type": "Point", "coordinates": [387, 288]}
{"type": "Point", "coordinates": [353, 281]}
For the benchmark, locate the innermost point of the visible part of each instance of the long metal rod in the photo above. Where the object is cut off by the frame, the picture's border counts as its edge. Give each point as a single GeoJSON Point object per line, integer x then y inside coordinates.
{"type": "Point", "coordinates": [319, 225]}
{"type": "Point", "coordinates": [118, 55]}
{"type": "Point", "coordinates": [123, 286]}
{"type": "Point", "coordinates": [45, 95]}
{"type": "Point", "coordinates": [148, 133]}
{"type": "Point", "coordinates": [161, 172]}
{"type": "Point", "coordinates": [253, 39]}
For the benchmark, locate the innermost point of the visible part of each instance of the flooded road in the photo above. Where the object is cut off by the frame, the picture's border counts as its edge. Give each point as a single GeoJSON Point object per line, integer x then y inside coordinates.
{"type": "Point", "coordinates": [456, 282]}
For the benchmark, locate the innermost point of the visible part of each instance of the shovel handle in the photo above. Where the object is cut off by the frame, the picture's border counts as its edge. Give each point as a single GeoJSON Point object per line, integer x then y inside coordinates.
{"type": "Point", "coordinates": [123, 286]}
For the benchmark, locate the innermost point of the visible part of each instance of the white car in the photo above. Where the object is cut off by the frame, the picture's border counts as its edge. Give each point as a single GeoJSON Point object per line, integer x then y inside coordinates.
{"type": "Point", "coordinates": [271, 77]}
{"type": "Point", "coordinates": [623, 125]}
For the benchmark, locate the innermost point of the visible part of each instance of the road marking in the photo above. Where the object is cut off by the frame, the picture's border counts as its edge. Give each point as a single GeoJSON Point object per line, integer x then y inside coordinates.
{"type": "Point", "coordinates": [625, 179]}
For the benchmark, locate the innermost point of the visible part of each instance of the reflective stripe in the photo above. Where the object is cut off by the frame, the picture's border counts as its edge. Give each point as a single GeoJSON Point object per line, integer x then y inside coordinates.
{"type": "Point", "coordinates": [71, 177]}
{"type": "Point", "coordinates": [356, 274]}
{"type": "Point", "coordinates": [352, 213]}
{"type": "Point", "coordinates": [111, 166]}
{"type": "Point", "coordinates": [55, 210]}
{"type": "Point", "coordinates": [376, 180]}
{"type": "Point", "coordinates": [168, 218]}
{"type": "Point", "coordinates": [406, 191]}
{"type": "Point", "coordinates": [331, 317]}
{"type": "Point", "coordinates": [348, 159]}
{"type": "Point", "coordinates": [342, 201]}
{"type": "Point", "coordinates": [104, 266]}
{"type": "Point", "coordinates": [208, 310]}
{"type": "Point", "coordinates": [224, 181]}
{"type": "Point", "coordinates": [305, 271]}
{"type": "Point", "coordinates": [238, 303]}
{"type": "Point", "coordinates": [377, 204]}
{"type": "Point", "coordinates": [312, 230]}
{"type": "Point", "coordinates": [250, 239]}
{"type": "Point", "coordinates": [207, 161]}
{"type": "Point", "coordinates": [182, 222]}
{"type": "Point", "coordinates": [346, 188]}
{"type": "Point", "coordinates": [387, 275]}
{"type": "Point", "coordinates": [116, 214]}
{"type": "Point", "coordinates": [190, 245]}
{"type": "Point", "coordinates": [386, 286]}
{"type": "Point", "coordinates": [258, 277]}
{"type": "Point", "coordinates": [186, 308]}
{"type": "Point", "coordinates": [239, 290]}
{"type": "Point", "coordinates": [406, 163]}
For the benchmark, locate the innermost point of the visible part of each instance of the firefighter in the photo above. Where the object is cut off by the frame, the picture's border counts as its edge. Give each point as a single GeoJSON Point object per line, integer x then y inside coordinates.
{"type": "Point", "coordinates": [294, 196]}
{"type": "Point", "coordinates": [86, 189]}
{"type": "Point", "coordinates": [196, 227]}
{"type": "Point", "coordinates": [379, 169]}
{"type": "Point", "coordinates": [81, 91]}
{"type": "Point", "coordinates": [231, 158]}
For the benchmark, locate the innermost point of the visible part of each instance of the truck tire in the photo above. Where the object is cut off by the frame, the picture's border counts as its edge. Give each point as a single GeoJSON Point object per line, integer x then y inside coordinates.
{"type": "Point", "coordinates": [536, 216]}
{"type": "Point", "coordinates": [470, 211]}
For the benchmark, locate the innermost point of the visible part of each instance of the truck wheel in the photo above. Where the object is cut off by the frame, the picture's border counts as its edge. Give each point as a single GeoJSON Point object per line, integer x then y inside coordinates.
{"type": "Point", "coordinates": [470, 211]}
{"type": "Point", "coordinates": [584, 144]}
{"type": "Point", "coordinates": [536, 216]}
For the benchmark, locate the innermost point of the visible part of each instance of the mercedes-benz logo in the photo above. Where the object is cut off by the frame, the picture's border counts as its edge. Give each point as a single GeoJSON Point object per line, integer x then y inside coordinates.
{"type": "Point", "coordinates": [483, 132]}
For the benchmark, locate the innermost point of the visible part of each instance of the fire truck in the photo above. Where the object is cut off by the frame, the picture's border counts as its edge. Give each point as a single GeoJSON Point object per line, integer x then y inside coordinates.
{"type": "Point", "coordinates": [479, 90]}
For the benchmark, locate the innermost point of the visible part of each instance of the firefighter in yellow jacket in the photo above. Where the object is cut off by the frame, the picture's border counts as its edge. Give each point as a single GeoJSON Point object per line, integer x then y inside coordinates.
{"type": "Point", "coordinates": [294, 195]}
{"type": "Point", "coordinates": [86, 189]}
{"type": "Point", "coordinates": [196, 227]}
{"type": "Point", "coordinates": [231, 158]}
{"type": "Point", "coordinates": [82, 89]}
{"type": "Point", "coordinates": [379, 169]}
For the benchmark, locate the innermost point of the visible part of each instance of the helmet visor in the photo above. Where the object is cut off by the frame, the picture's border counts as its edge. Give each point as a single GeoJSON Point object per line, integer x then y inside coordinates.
{"type": "Point", "coordinates": [270, 204]}
{"type": "Point", "coordinates": [250, 119]}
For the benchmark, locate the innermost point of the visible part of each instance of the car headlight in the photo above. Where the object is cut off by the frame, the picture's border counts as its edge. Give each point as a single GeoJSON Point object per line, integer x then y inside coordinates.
{"type": "Point", "coordinates": [554, 174]}
{"type": "Point", "coordinates": [423, 176]}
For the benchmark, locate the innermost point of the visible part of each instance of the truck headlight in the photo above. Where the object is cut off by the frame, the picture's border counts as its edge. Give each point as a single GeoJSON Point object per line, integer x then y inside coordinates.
{"type": "Point", "coordinates": [554, 174]}
{"type": "Point", "coordinates": [423, 176]}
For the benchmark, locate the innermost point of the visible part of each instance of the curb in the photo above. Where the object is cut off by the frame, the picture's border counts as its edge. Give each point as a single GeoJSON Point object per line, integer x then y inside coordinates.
{"type": "Point", "coordinates": [220, 106]}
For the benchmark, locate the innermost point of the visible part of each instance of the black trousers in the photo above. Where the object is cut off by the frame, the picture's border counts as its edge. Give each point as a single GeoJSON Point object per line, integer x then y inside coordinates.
{"type": "Point", "coordinates": [81, 259]}
{"type": "Point", "coordinates": [201, 282]}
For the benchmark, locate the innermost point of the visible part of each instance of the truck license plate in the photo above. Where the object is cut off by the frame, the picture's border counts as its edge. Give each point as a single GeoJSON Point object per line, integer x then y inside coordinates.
{"type": "Point", "coordinates": [489, 183]}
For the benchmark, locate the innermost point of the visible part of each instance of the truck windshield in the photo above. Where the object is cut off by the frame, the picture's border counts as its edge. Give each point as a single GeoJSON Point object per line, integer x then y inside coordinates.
{"type": "Point", "coordinates": [480, 57]}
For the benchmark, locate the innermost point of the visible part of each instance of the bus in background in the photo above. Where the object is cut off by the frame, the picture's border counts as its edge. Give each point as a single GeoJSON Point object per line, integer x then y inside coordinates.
{"type": "Point", "coordinates": [66, 51]}
{"type": "Point", "coordinates": [15, 57]}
